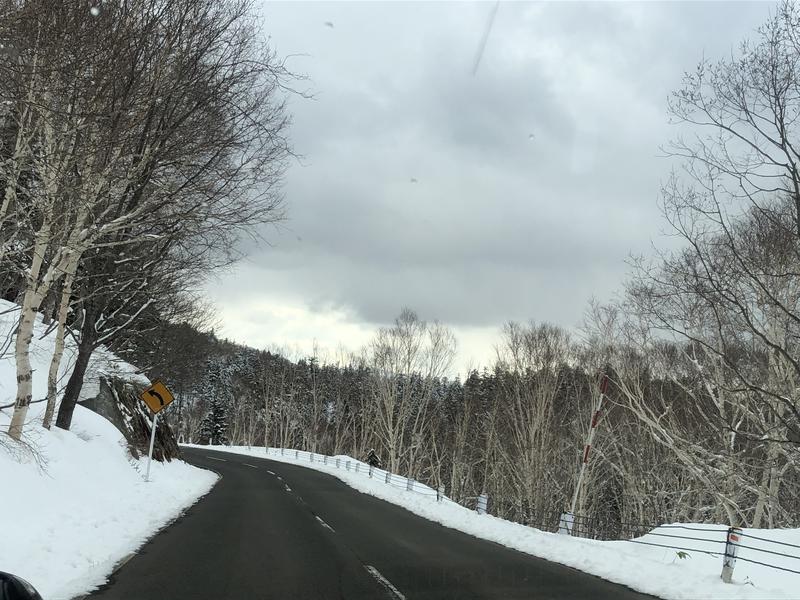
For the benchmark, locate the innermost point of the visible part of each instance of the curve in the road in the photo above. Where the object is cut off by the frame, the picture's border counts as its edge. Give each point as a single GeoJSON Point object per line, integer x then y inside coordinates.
{"type": "Point", "coordinates": [270, 530]}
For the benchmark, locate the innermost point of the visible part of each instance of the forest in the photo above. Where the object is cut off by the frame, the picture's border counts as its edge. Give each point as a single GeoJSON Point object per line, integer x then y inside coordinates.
{"type": "Point", "coordinates": [701, 421]}
{"type": "Point", "coordinates": [139, 147]}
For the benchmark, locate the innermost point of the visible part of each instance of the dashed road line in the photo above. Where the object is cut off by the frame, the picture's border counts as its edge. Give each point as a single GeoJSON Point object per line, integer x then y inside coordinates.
{"type": "Point", "coordinates": [324, 524]}
{"type": "Point", "coordinates": [249, 465]}
{"type": "Point", "coordinates": [288, 489]}
{"type": "Point", "coordinates": [270, 472]}
{"type": "Point", "coordinates": [215, 458]}
{"type": "Point", "coordinates": [385, 582]}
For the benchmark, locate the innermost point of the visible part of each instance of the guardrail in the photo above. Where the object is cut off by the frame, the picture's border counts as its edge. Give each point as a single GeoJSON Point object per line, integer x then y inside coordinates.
{"type": "Point", "coordinates": [714, 541]}
{"type": "Point", "coordinates": [356, 466]}
{"type": "Point", "coordinates": [723, 543]}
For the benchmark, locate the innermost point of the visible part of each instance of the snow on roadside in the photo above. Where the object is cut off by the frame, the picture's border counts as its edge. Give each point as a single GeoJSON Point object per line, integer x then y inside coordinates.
{"type": "Point", "coordinates": [648, 569]}
{"type": "Point", "coordinates": [78, 504]}
{"type": "Point", "coordinates": [65, 524]}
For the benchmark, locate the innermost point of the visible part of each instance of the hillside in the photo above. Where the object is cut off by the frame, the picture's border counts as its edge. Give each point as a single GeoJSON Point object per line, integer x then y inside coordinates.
{"type": "Point", "coordinates": [75, 502]}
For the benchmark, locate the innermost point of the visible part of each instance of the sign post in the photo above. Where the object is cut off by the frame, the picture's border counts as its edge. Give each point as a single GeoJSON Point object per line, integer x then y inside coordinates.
{"type": "Point", "coordinates": [152, 443]}
{"type": "Point", "coordinates": [157, 397]}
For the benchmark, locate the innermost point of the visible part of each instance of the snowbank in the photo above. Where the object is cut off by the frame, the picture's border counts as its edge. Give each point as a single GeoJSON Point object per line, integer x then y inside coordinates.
{"type": "Point", "coordinates": [103, 362]}
{"type": "Point", "coordinates": [652, 570]}
{"type": "Point", "coordinates": [75, 504]}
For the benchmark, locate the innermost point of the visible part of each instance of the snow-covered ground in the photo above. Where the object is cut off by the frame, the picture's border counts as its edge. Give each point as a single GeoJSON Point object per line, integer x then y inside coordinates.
{"type": "Point", "coordinates": [649, 569]}
{"type": "Point", "coordinates": [102, 362]}
{"type": "Point", "coordinates": [76, 504]}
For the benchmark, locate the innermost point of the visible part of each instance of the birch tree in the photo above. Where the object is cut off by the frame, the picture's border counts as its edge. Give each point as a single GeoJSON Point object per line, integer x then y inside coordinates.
{"type": "Point", "coordinates": [405, 359]}
{"type": "Point", "coordinates": [154, 116]}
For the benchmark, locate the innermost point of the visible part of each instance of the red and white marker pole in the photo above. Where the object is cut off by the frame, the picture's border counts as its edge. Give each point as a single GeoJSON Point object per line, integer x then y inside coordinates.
{"type": "Point", "coordinates": [731, 552]}
{"type": "Point", "coordinates": [593, 427]}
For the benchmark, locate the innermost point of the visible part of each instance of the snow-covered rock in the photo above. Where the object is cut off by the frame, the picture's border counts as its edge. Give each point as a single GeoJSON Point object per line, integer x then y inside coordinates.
{"type": "Point", "coordinates": [118, 400]}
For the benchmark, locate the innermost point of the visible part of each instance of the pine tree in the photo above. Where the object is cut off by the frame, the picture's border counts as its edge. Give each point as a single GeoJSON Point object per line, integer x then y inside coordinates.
{"type": "Point", "coordinates": [214, 426]}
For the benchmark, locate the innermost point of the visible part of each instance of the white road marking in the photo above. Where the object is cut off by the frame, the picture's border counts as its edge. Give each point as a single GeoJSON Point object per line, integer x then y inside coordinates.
{"type": "Point", "coordinates": [249, 465]}
{"type": "Point", "coordinates": [385, 582]}
{"type": "Point", "coordinates": [288, 489]}
{"type": "Point", "coordinates": [215, 458]}
{"type": "Point", "coordinates": [270, 472]}
{"type": "Point", "coordinates": [324, 524]}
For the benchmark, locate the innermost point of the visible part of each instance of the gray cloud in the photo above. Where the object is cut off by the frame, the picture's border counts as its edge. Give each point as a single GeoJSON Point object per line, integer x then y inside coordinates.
{"type": "Point", "coordinates": [496, 225]}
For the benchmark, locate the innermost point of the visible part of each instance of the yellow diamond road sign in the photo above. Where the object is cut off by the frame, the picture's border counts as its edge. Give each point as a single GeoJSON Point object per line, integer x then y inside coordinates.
{"type": "Point", "coordinates": [157, 396]}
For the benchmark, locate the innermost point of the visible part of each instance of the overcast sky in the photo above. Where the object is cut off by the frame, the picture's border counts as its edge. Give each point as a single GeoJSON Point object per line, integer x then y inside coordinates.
{"type": "Point", "coordinates": [516, 193]}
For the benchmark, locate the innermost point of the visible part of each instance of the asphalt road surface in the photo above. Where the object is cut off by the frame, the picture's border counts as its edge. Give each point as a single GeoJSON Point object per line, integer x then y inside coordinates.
{"type": "Point", "coordinates": [270, 530]}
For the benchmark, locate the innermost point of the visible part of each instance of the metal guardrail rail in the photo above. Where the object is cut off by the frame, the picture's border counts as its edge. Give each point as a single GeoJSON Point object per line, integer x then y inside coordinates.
{"type": "Point", "coordinates": [726, 542]}
{"type": "Point", "coordinates": [357, 466]}
{"type": "Point", "coordinates": [677, 536]}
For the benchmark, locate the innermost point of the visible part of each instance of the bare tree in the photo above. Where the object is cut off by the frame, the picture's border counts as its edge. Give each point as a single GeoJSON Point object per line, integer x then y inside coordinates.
{"type": "Point", "coordinates": [737, 201]}
{"type": "Point", "coordinates": [154, 119]}
{"type": "Point", "coordinates": [405, 360]}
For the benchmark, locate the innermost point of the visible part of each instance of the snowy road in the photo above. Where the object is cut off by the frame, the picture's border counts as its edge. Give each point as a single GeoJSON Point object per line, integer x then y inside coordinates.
{"type": "Point", "coordinates": [273, 530]}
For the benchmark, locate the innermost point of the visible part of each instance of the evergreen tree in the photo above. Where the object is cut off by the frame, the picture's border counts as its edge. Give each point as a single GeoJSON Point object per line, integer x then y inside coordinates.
{"type": "Point", "coordinates": [214, 426]}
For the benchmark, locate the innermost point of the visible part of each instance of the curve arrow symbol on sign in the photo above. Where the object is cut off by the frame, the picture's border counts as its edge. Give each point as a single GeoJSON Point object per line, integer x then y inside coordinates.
{"type": "Point", "coordinates": [157, 395]}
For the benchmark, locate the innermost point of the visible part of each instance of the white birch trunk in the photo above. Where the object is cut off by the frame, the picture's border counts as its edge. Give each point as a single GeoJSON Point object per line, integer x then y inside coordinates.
{"type": "Point", "coordinates": [27, 318]}
{"type": "Point", "coordinates": [58, 352]}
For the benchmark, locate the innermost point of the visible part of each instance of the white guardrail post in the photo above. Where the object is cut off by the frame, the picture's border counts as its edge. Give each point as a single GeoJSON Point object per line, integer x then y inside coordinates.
{"type": "Point", "coordinates": [731, 552]}
{"type": "Point", "coordinates": [565, 523]}
{"type": "Point", "coordinates": [482, 500]}
{"type": "Point", "coordinates": [483, 503]}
